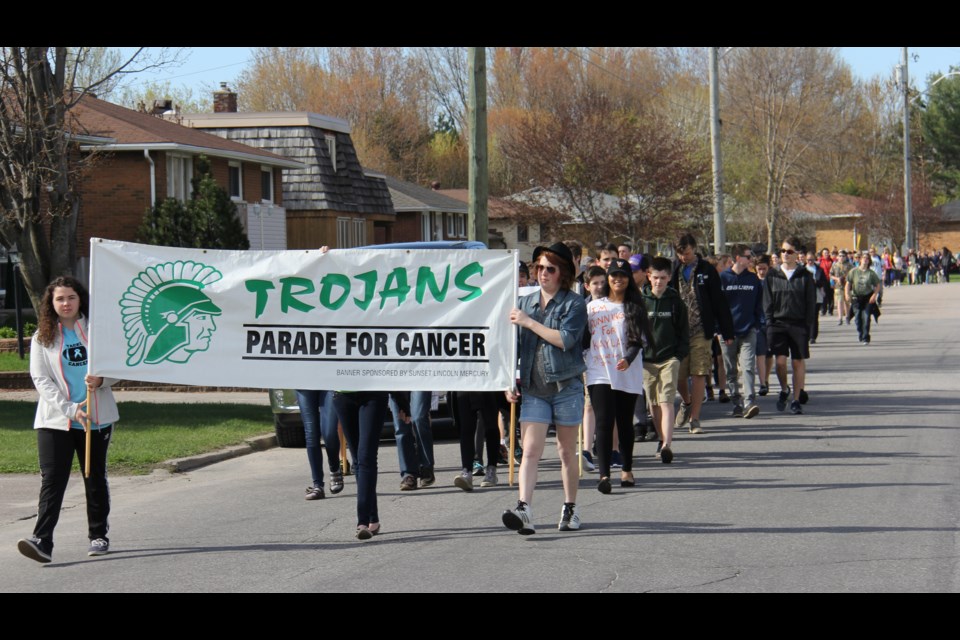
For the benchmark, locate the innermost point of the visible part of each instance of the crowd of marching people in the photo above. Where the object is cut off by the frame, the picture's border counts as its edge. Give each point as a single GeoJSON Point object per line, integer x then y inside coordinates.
{"type": "Point", "coordinates": [606, 343]}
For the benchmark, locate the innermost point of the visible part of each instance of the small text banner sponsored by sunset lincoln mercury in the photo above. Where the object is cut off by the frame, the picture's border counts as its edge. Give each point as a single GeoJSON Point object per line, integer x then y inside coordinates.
{"type": "Point", "coordinates": [351, 319]}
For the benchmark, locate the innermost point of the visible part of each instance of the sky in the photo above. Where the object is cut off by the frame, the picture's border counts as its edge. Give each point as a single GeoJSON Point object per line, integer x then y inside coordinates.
{"type": "Point", "coordinates": [205, 67]}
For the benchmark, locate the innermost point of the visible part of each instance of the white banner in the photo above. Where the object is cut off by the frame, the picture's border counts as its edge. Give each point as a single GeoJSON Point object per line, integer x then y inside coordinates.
{"type": "Point", "coordinates": [349, 320]}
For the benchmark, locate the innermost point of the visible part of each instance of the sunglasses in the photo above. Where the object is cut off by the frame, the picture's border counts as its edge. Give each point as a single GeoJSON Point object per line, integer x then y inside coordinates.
{"type": "Point", "coordinates": [548, 268]}
{"type": "Point", "coordinates": [789, 252]}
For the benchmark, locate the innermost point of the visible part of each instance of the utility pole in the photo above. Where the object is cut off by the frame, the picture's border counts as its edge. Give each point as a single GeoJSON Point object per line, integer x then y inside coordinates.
{"type": "Point", "coordinates": [908, 241]}
{"type": "Point", "coordinates": [719, 224]}
{"type": "Point", "coordinates": [478, 179]}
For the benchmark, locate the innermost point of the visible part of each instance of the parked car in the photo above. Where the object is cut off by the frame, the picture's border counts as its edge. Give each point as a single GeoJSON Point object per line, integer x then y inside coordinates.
{"type": "Point", "coordinates": [283, 402]}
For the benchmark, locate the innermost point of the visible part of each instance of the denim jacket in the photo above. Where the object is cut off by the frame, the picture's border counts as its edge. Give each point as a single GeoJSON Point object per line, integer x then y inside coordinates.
{"type": "Point", "coordinates": [566, 312]}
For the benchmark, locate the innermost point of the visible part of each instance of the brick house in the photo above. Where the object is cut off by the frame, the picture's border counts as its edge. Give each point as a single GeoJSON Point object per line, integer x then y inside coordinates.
{"type": "Point", "coordinates": [425, 214]}
{"type": "Point", "coordinates": [329, 199]}
{"type": "Point", "coordinates": [512, 225]}
{"type": "Point", "coordinates": [150, 159]}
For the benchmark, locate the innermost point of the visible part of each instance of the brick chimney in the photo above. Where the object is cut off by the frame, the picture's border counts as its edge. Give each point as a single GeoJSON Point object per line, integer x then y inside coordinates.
{"type": "Point", "coordinates": [224, 100]}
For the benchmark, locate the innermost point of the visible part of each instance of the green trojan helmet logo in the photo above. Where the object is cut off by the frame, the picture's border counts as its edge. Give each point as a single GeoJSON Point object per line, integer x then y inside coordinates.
{"type": "Point", "coordinates": [166, 314]}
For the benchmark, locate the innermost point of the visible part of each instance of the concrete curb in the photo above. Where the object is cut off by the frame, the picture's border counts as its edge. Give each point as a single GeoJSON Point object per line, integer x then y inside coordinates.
{"type": "Point", "coordinates": [251, 445]}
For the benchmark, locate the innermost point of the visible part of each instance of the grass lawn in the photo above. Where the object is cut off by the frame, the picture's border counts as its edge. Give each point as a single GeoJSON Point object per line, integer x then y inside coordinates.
{"type": "Point", "coordinates": [12, 361]}
{"type": "Point", "coordinates": [147, 434]}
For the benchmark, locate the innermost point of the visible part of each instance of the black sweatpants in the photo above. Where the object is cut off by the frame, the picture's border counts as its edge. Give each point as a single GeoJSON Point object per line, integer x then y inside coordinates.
{"type": "Point", "coordinates": [56, 451]}
{"type": "Point", "coordinates": [472, 406]}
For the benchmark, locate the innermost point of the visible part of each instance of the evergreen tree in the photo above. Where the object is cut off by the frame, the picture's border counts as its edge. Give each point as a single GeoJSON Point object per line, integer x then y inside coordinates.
{"type": "Point", "coordinates": [208, 221]}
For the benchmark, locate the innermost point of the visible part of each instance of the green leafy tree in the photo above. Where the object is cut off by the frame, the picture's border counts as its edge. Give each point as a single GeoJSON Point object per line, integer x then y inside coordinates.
{"type": "Point", "coordinates": [940, 125]}
{"type": "Point", "coordinates": [208, 221]}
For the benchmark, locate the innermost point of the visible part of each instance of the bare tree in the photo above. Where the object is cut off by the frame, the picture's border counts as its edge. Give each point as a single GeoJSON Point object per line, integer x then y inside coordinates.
{"type": "Point", "coordinates": [784, 104]}
{"type": "Point", "coordinates": [624, 172]}
{"type": "Point", "coordinates": [42, 164]}
{"type": "Point", "coordinates": [448, 76]}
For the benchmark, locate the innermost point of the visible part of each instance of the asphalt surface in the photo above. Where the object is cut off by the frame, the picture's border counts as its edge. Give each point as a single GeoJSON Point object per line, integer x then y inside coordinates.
{"type": "Point", "coordinates": [861, 493]}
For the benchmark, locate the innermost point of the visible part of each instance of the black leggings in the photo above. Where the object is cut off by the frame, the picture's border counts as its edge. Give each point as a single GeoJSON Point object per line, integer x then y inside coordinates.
{"type": "Point", "coordinates": [611, 407]}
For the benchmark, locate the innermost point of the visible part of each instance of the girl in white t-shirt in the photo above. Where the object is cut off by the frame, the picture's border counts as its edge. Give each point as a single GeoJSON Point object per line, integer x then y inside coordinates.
{"type": "Point", "coordinates": [618, 327]}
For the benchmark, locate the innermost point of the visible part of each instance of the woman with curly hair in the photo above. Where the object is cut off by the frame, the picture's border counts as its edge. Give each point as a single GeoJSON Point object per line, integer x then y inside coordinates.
{"type": "Point", "coordinates": [58, 366]}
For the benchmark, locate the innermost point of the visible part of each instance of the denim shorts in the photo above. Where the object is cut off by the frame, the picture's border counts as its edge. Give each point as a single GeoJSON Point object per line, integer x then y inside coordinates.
{"type": "Point", "coordinates": [564, 408]}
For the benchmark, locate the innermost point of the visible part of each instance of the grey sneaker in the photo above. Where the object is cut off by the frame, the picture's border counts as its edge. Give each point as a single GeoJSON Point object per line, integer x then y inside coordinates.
{"type": "Point", "coordinates": [464, 480]}
{"type": "Point", "coordinates": [683, 415]}
{"type": "Point", "coordinates": [796, 408]}
{"type": "Point", "coordinates": [98, 547]}
{"type": "Point", "coordinates": [490, 477]}
{"type": "Point", "coordinates": [569, 518]}
{"type": "Point", "coordinates": [408, 483]}
{"type": "Point", "coordinates": [695, 426]}
{"type": "Point", "coordinates": [738, 410]}
{"type": "Point", "coordinates": [35, 549]}
{"type": "Point", "coordinates": [751, 411]}
{"type": "Point", "coordinates": [519, 519]}
{"type": "Point", "coordinates": [314, 493]}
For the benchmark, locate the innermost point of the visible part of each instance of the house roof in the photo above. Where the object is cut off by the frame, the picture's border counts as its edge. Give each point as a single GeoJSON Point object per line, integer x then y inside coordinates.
{"type": "Point", "coordinates": [497, 208]}
{"type": "Point", "coordinates": [951, 211]}
{"type": "Point", "coordinates": [824, 206]}
{"type": "Point", "coordinates": [407, 196]}
{"type": "Point", "coordinates": [554, 199]}
{"type": "Point", "coordinates": [266, 119]}
{"type": "Point", "coordinates": [135, 131]}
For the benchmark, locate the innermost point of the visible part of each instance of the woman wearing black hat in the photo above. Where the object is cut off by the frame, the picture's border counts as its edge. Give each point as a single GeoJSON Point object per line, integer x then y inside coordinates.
{"type": "Point", "coordinates": [618, 329]}
{"type": "Point", "coordinates": [552, 322]}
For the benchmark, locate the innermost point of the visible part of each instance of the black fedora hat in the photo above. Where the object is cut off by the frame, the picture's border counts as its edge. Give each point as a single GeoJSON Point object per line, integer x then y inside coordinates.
{"type": "Point", "coordinates": [561, 250]}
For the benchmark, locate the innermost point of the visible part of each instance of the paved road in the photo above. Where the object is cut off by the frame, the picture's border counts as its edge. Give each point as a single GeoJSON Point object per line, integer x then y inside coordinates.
{"type": "Point", "coordinates": [862, 493]}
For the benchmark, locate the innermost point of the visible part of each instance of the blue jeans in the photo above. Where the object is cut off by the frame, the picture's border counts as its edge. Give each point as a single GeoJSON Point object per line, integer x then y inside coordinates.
{"type": "Point", "coordinates": [862, 311]}
{"type": "Point", "coordinates": [414, 439]}
{"type": "Point", "coordinates": [319, 419]}
{"type": "Point", "coordinates": [361, 415]}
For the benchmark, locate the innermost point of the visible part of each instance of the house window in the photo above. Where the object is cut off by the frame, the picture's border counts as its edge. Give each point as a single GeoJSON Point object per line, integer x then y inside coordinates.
{"type": "Point", "coordinates": [522, 233]}
{"type": "Point", "coordinates": [235, 181]}
{"type": "Point", "coordinates": [451, 224]}
{"type": "Point", "coordinates": [351, 232]}
{"type": "Point", "coordinates": [179, 174]}
{"type": "Point", "coordinates": [462, 225]}
{"type": "Point", "coordinates": [332, 149]}
{"type": "Point", "coordinates": [266, 184]}
{"type": "Point", "coordinates": [425, 228]}
{"type": "Point", "coordinates": [359, 232]}
{"type": "Point", "coordinates": [544, 231]}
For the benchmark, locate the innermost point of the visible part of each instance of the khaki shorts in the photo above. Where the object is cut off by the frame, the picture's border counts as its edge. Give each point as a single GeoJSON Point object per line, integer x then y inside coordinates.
{"type": "Point", "coordinates": [660, 380]}
{"type": "Point", "coordinates": [700, 360]}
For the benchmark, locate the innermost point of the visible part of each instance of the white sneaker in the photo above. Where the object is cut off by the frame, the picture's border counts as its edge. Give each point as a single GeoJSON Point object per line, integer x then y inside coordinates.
{"type": "Point", "coordinates": [490, 478]}
{"type": "Point", "coordinates": [683, 415]}
{"type": "Point", "coordinates": [569, 517]}
{"type": "Point", "coordinates": [519, 519]}
{"type": "Point", "coordinates": [464, 480]}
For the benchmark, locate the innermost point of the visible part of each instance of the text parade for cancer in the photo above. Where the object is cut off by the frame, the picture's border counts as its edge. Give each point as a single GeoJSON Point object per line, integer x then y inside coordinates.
{"type": "Point", "coordinates": [385, 344]}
